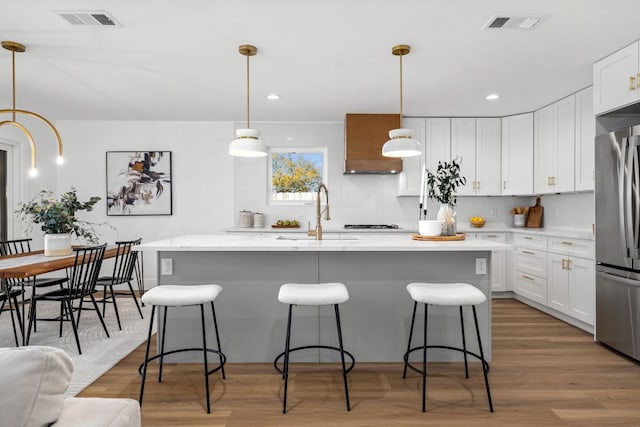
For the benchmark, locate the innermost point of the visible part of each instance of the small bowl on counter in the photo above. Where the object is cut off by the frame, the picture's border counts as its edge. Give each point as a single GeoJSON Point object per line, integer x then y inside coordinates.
{"type": "Point", "coordinates": [477, 222]}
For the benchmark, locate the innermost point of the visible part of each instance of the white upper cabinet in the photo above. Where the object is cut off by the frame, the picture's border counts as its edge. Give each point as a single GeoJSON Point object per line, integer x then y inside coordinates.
{"type": "Point", "coordinates": [438, 141]}
{"type": "Point", "coordinates": [554, 147]}
{"type": "Point", "coordinates": [616, 80]}
{"type": "Point", "coordinates": [409, 178]}
{"type": "Point", "coordinates": [585, 138]}
{"type": "Point", "coordinates": [463, 145]}
{"type": "Point", "coordinates": [517, 154]}
{"type": "Point", "coordinates": [477, 142]}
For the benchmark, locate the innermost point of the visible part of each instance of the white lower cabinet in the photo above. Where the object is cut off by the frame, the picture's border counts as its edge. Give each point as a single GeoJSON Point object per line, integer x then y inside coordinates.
{"type": "Point", "coordinates": [561, 277]}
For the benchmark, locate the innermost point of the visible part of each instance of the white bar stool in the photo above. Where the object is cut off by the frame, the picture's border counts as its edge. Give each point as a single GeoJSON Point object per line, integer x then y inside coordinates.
{"type": "Point", "coordinates": [313, 295]}
{"type": "Point", "coordinates": [182, 296]}
{"type": "Point", "coordinates": [445, 294]}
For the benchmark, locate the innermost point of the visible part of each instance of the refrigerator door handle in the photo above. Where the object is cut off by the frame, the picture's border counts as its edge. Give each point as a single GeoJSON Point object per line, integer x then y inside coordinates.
{"type": "Point", "coordinates": [634, 202]}
{"type": "Point", "coordinates": [622, 179]}
{"type": "Point", "coordinates": [619, 279]}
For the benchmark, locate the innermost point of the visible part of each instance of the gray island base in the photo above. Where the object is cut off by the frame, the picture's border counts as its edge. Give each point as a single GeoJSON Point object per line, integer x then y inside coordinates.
{"type": "Point", "coordinates": [375, 320]}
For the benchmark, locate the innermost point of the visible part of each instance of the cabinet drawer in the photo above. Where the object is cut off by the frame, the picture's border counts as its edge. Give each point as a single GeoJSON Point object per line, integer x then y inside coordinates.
{"type": "Point", "coordinates": [574, 247]}
{"type": "Point", "coordinates": [494, 237]}
{"type": "Point", "coordinates": [532, 287]}
{"type": "Point", "coordinates": [530, 241]}
{"type": "Point", "coordinates": [531, 261]}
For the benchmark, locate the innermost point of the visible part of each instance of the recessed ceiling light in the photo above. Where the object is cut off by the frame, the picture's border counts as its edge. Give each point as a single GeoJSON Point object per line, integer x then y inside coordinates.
{"type": "Point", "coordinates": [492, 97]}
{"type": "Point", "coordinates": [273, 96]}
{"type": "Point", "coordinates": [290, 138]}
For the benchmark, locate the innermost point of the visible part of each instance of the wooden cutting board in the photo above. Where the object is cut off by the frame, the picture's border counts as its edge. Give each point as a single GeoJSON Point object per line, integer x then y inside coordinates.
{"type": "Point", "coordinates": [534, 219]}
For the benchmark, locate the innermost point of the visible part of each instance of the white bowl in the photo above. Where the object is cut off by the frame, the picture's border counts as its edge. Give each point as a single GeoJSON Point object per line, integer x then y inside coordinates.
{"type": "Point", "coordinates": [429, 227]}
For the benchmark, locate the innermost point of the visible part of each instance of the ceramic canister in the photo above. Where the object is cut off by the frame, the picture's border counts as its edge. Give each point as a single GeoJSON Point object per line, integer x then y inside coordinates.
{"type": "Point", "coordinates": [246, 219]}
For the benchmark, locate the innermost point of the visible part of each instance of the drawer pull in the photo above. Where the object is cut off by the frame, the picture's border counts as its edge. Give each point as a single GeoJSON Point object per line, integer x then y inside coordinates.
{"type": "Point", "coordinates": [528, 238]}
{"type": "Point", "coordinates": [632, 83]}
{"type": "Point", "coordinates": [567, 243]}
{"type": "Point", "coordinates": [528, 253]}
{"type": "Point", "coordinates": [569, 265]}
{"type": "Point", "coordinates": [528, 278]}
{"type": "Point", "coordinates": [491, 236]}
{"type": "Point", "coordinates": [563, 266]}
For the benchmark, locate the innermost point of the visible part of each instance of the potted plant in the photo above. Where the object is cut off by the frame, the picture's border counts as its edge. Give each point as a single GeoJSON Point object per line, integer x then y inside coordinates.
{"type": "Point", "coordinates": [57, 218]}
{"type": "Point", "coordinates": [442, 187]}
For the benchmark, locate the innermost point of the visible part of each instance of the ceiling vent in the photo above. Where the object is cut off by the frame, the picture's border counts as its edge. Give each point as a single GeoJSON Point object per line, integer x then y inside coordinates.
{"type": "Point", "coordinates": [521, 22]}
{"type": "Point", "coordinates": [99, 18]}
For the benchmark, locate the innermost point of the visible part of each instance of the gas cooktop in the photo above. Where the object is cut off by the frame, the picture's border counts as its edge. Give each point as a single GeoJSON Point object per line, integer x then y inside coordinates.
{"type": "Point", "coordinates": [370, 226]}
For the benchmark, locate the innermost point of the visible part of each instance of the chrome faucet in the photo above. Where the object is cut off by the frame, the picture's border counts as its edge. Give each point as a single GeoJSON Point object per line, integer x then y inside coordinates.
{"type": "Point", "coordinates": [318, 231]}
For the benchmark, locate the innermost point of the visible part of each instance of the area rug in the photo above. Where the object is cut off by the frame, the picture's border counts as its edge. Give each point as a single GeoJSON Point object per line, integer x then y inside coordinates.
{"type": "Point", "coordinates": [99, 353]}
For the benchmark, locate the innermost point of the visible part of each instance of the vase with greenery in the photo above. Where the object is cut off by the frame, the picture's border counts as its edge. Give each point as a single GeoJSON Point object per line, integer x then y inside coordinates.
{"type": "Point", "coordinates": [442, 188]}
{"type": "Point", "coordinates": [57, 218]}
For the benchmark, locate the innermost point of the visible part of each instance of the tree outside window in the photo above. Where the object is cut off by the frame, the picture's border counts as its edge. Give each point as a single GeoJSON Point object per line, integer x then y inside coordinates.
{"type": "Point", "coordinates": [296, 174]}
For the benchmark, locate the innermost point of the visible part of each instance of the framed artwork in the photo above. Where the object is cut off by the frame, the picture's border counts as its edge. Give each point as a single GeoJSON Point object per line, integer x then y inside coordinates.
{"type": "Point", "coordinates": [139, 183]}
{"type": "Point", "coordinates": [295, 174]}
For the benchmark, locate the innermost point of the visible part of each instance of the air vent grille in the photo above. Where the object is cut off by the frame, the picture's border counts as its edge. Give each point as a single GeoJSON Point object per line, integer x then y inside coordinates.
{"type": "Point", "coordinates": [99, 18]}
{"type": "Point", "coordinates": [520, 22]}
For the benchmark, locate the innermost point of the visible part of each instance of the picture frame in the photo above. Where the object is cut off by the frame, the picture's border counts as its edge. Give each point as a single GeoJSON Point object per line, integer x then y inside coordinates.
{"type": "Point", "coordinates": [139, 183]}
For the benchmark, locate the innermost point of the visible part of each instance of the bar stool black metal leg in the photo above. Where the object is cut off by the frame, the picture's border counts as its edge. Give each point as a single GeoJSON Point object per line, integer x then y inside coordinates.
{"type": "Point", "coordinates": [204, 354]}
{"type": "Point", "coordinates": [285, 371]}
{"type": "Point", "coordinates": [484, 362]}
{"type": "Point", "coordinates": [344, 369]}
{"type": "Point", "coordinates": [164, 331]}
{"type": "Point", "coordinates": [215, 325]}
{"type": "Point", "coordinates": [424, 361]}
{"type": "Point", "coordinates": [146, 355]}
{"type": "Point", "coordinates": [413, 319]}
{"type": "Point", "coordinates": [464, 345]}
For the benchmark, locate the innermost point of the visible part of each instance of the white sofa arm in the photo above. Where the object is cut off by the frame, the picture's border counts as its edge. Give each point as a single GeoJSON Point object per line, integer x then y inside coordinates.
{"type": "Point", "coordinates": [99, 412]}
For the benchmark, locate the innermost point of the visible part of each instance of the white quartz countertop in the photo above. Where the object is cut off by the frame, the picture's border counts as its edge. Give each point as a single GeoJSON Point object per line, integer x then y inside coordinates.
{"type": "Point", "coordinates": [352, 242]}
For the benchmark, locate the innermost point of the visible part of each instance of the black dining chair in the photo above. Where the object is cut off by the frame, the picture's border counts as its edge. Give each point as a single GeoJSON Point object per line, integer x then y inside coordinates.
{"type": "Point", "coordinates": [10, 293]}
{"type": "Point", "coordinates": [124, 269]}
{"type": "Point", "coordinates": [81, 285]}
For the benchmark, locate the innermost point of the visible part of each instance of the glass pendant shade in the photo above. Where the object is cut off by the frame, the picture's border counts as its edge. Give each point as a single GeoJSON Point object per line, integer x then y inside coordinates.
{"type": "Point", "coordinates": [247, 144]}
{"type": "Point", "coordinates": [401, 144]}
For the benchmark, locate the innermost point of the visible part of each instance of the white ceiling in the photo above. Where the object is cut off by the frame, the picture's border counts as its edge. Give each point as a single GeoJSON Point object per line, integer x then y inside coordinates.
{"type": "Point", "coordinates": [179, 60]}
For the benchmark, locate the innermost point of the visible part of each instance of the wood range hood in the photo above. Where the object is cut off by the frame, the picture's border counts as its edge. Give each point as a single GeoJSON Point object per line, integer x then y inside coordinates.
{"type": "Point", "coordinates": [365, 134]}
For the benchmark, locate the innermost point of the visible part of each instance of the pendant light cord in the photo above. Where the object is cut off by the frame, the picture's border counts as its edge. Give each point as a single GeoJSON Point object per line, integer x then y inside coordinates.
{"type": "Point", "coordinates": [13, 81]}
{"type": "Point", "coordinates": [400, 87]}
{"type": "Point", "coordinates": [247, 91]}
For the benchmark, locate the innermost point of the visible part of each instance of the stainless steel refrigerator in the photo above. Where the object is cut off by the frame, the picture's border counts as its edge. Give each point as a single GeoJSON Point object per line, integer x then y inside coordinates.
{"type": "Point", "coordinates": [617, 199]}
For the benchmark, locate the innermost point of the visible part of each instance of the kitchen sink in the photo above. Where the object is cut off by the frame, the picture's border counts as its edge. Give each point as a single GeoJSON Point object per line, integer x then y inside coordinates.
{"type": "Point", "coordinates": [283, 237]}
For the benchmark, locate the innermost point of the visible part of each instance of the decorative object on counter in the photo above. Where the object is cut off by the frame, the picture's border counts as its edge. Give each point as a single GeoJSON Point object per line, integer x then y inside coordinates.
{"type": "Point", "coordinates": [247, 142]}
{"type": "Point", "coordinates": [245, 219]}
{"type": "Point", "coordinates": [458, 236]}
{"type": "Point", "coordinates": [139, 183]}
{"type": "Point", "coordinates": [258, 220]}
{"type": "Point", "coordinates": [401, 142]}
{"type": "Point", "coordinates": [534, 220]}
{"type": "Point", "coordinates": [286, 224]}
{"type": "Point", "coordinates": [428, 227]}
{"type": "Point", "coordinates": [477, 221]}
{"type": "Point", "coordinates": [57, 218]}
{"type": "Point", "coordinates": [14, 47]}
{"type": "Point", "coordinates": [442, 188]}
{"type": "Point", "coordinates": [520, 215]}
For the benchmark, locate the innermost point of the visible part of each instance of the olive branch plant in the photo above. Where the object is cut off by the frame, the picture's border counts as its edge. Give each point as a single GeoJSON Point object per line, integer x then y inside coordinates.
{"type": "Point", "coordinates": [444, 183]}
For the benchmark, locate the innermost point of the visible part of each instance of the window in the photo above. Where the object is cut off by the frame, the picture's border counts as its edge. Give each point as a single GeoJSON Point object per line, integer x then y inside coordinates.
{"type": "Point", "coordinates": [295, 174]}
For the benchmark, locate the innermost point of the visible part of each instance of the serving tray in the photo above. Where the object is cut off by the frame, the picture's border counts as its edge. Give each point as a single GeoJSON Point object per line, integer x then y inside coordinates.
{"type": "Point", "coordinates": [459, 236]}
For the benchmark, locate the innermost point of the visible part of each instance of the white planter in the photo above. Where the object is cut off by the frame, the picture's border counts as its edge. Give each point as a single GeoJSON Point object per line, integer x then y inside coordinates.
{"type": "Point", "coordinates": [57, 244]}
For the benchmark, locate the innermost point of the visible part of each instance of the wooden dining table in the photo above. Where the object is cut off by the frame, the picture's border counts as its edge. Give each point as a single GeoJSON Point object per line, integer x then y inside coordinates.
{"type": "Point", "coordinates": [28, 265]}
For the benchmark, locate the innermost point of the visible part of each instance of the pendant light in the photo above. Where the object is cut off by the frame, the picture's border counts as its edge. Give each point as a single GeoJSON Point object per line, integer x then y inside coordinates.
{"type": "Point", "coordinates": [14, 47]}
{"type": "Point", "coordinates": [401, 142]}
{"type": "Point", "coordinates": [247, 142]}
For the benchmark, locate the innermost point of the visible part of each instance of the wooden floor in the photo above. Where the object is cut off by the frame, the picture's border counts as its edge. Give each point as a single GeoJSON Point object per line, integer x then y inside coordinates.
{"type": "Point", "coordinates": [544, 373]}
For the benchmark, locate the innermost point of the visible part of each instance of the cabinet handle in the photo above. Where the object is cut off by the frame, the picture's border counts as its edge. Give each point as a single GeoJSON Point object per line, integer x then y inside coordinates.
{"type": "Point", "coordinates": [567, 243]}
{"type": "Point", "coordinates": [504, 185]}
{"type": "Point", "coordinates": [528, 253]}
{"type": "Point", "coordinates": [563, 266]}
{"type": "Point", "coordinates": [528, 278]}
{"type": "Point", "coordinates": [638, 81]}
{"type": "Point", "coordinates": [528, 238]}
{"type": "Point", "coordinates": [632, 83]}
{"type": "Point", "coordinates": [492, 235]}
{"type": "Point", "coordinates": [569, 265]}
{"type": "Point", "coordinates": [477, 185]}
{"type": "Point", "coordinates": [474, 185]}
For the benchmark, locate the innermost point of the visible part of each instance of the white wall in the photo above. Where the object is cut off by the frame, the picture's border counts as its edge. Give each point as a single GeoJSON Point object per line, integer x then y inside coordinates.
{"type": "Point", "coordinates": [201, 175]}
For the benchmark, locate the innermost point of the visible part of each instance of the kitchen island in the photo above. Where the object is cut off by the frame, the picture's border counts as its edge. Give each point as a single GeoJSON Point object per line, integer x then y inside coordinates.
{"type": "Point", "coordinates": [375, 269]}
